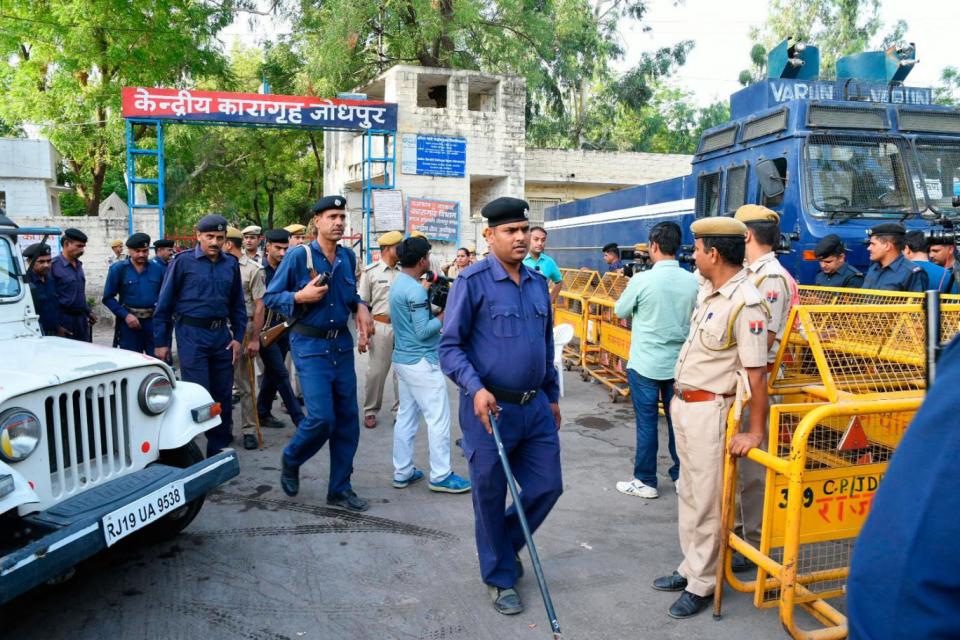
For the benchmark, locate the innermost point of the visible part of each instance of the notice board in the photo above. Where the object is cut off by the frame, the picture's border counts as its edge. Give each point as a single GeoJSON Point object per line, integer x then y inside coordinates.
{"type": "Point", "coordinates": [434, 155]}
{"type": "Point", "coordinates": [436, 219]}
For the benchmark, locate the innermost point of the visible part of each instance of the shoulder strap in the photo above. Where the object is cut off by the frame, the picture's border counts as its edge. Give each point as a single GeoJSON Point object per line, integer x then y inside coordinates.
{"type": "Point", "coordinates": [310, 269]}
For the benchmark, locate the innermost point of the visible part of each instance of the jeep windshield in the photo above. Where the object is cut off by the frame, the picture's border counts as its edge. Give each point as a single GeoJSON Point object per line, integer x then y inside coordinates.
{"type": "Point", "coordinates": [940, 171]}
{"type": "Point", "coordinates": [857, 176]}
{"type": "Point", "coordinates": [9, 282]}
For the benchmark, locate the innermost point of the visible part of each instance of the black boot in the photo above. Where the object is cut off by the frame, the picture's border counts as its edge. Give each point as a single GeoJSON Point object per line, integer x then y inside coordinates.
{"type": "Point", "coordinates": [289, 477]}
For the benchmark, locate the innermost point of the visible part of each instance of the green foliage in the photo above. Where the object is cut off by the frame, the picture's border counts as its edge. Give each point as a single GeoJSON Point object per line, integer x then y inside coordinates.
{"type": "Point", "coordinates": [948, 91]}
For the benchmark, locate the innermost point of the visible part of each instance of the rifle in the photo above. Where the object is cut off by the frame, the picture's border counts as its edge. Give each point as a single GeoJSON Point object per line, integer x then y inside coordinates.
{"type": "Point", "coordinates": [274, 333]}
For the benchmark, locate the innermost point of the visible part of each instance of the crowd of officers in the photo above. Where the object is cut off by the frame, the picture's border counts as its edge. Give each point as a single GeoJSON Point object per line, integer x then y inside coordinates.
{"type": "Point", "coordinates": [699, 342]}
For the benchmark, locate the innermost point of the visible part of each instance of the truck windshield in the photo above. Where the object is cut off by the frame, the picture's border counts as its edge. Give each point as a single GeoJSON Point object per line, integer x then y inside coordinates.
{"type": "Point", "coordinates": [9, 282]}
{"type": "Point", "coordinates": [940, 169]}
{"type": "Point", "coordinates": [857, 176]}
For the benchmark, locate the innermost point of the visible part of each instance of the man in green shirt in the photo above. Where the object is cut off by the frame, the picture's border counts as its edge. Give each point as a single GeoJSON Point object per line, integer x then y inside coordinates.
{"type": "Point", "coordinates": [542, 263]}
{"type": "Point", "coordinates": [659, 303]}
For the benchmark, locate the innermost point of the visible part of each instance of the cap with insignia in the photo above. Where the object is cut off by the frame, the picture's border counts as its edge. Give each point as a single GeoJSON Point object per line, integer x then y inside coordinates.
{"type": "Point", "coordinates": [277, 235]}
{"type": "Point", "coordinates": [417, 234]}
{"type": "Point", "coordinates": [830, 245]}
{"type": "Point", "coordinates": [330, 202]}
{"type": "Point", "coordinates": [138, 241]}
{"type": "Point", "coordinates": [74, 234]}
{"type": "Point", "coordinates": [756, 213]}
{"type": "Point", "coordinates": [163, 244]}
{"type": "Point", "coordinates": [719, 227]}
{"type": "Point", "coordinates": [641, 247]}
{"type": "Point", "coordinates": [887, 229]}
{"type": "Point", "coordinates": [212, 223]}
{"type": "Point", "coordinates": [295, 229]}
{"type": "Point", "coordinates": [233, 233]}
{"type": "Point", "coordinates": [116, 243]}
{"type": "Point", "coordinates": [504, 211]}
{"type": "Point", "coordinates": [36, 250]}
{"type": "Point", "coordinates": [252, 230]}
{"type": "Point", "coordinates": [390, 238]}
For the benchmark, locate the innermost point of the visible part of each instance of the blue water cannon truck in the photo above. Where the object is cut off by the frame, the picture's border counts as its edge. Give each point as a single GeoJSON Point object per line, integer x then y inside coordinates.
{"type": "Point", "coordinates": [830, 156]}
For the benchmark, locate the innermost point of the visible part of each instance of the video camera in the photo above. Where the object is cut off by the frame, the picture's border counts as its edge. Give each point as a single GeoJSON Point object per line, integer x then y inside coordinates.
{"type": "Point", "coordinates": [639, 260]}
{"type": "Point", "coordinates": [685, 254]}
{"type": "Point", "coordinates": [947, 234]}
{"type": "Point", "coordinates": [439, 289]}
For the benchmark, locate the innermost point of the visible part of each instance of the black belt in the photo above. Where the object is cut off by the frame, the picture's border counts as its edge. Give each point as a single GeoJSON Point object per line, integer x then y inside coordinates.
{"type": "Point", "coordinates": [204, 323]}
{"type": "Point", "coordinates": [70, 311]}
{"type": "Point", "coordinates": [314, 332]}
{"type": "Point", "coordinates": [511, 396]}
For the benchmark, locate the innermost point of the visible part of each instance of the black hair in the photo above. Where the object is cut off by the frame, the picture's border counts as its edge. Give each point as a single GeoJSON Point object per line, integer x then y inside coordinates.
{"type": "Point", "coordinates": [766, 232]}
{"type": "Point", "coordinates": [611, 248]}
{"type": "Point", "coordinates": [538, 228]}
{"type": "Point", "coordinates": [897, 240]}
{"type": "Point", "coordinates": [667, 236]}
{"type": "Point", "coordinates": [411, 251]}
{"type": "Point", "coordinates": [732, 250]}
{"type": "Point", "coordinates": [465, 250]}
{"type": "Point", "coordinates": [917, 241]}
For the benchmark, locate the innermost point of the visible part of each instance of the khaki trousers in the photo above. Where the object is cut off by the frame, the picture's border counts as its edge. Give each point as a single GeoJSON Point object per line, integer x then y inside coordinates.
{"type": "Point", "coordinates": [241, 380]}
{"type": "Point", "coordinates": [378, 366]}
{"type": "Point", "coordinates": [752, 485]}
{"type": "Point", "coordinates": [699, 429]}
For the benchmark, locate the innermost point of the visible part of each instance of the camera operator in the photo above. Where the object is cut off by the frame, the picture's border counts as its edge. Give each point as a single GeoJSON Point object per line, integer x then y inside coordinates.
{"type": "Point", "coordinates": [423, 388]}
{"type": "Point", "coordinates": [916, 250]}
{"type": "Point", "coordinates": [942, 252]}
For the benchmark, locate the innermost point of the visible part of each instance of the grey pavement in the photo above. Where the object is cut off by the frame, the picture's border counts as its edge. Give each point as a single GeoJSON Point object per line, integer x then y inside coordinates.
{"type": "Point", "coordinates": [258, 565]}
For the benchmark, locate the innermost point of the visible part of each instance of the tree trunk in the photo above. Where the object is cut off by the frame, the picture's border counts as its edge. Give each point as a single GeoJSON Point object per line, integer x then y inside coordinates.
{"type": "Point", "coordinates": [319, 161]}
{"type": "Point", "coordinates": [93, 199]}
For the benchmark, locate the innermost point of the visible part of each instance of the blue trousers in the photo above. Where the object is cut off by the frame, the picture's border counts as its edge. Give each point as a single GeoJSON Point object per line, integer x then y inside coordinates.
{"type": "Point", "coordinates": [276, 379]}
{"type": "Point", "coordinates": [78, 326]}
{"type": "Point", "coordinates": [139, 340]}
{"type": "Point", "coordinates": [646, 394]}
{"type": "Point", "coordinates": [206, 360]}
{"type": "Point", "coordinates": [530, 438]}
{"type": "Point", "coordinates": [329, 384]}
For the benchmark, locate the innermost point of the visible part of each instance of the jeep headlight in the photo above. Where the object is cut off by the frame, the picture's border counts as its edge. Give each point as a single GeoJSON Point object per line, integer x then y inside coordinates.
{"type": "Point", "coordinates": [156, 392]}
{"type": "Point", "coordinates": [19, 434]}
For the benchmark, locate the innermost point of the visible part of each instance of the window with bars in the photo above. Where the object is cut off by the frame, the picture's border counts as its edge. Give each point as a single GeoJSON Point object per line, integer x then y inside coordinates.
{"type": "Point", "coordinates": [708, 194]}
{"type": "Point", "coordinates": [736, 188]}
{"type": "Point", "coordinates": [538, 207]}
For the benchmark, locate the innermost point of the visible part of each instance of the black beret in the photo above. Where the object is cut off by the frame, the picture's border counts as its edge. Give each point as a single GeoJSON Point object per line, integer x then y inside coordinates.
{"type": "Point", "coordinates": [505, 211]}
{"type": "Point", "coordinates": [277, 235]}
{"type": "Point", "coordinates": [330, 202]}
{"type": "Point", "coordinates": [163, 244]}
{"type": "Point", "coordinates": [887, 229]}
{"type": "Point", "coordinates": [36, 250]}
{"type": "Point", "coordinates": [74, 234]}
{"type": "Point", "coordinates": [610, 248]}
{"type": "Point", "coordinates": [212, 222]}
{"type": "Point", "coordinates": [138, 241]}
{"type": "Point", "coordinates": [830, 245]}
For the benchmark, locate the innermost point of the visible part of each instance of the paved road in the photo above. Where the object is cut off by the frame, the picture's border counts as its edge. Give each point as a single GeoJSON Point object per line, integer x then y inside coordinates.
{"type": "Point", "coordinates": [257, 565]}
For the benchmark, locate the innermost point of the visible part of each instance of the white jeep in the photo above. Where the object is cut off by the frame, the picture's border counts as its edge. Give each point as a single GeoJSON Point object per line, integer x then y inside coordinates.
{"type": "Point", "coordinates": [95, 443]}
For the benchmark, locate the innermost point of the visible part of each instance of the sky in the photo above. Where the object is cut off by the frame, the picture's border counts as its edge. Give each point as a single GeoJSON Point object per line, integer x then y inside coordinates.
{"type": "Point", "coordinates": [720, 30]}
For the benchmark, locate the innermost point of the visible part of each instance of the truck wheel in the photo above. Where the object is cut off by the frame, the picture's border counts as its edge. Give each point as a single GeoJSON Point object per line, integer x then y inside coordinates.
{"type": "Point", "coordinates": [177, 521]}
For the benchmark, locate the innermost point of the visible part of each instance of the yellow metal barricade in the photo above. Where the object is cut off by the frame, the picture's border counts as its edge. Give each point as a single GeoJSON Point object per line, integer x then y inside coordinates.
{"type": "Point", "coordinates": [571, 308]}
{"type": "Point", "coordinates": [608, 336]}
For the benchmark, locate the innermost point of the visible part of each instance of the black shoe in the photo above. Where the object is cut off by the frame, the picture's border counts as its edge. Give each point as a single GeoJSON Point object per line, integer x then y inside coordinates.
{"type": "Point", "coordinates": [519, 566]}
{"type": "Point", "coordinates": [688, 605]}
{"type": "Point", "coordinates": [739, 563]}
{"type": "Point", "coordinates": [505, 601]}
{"type": "Point", "coordinates": [673, 582]}
{"type": "Point", "coordinates": [289, 477]}
{"type": "Point", "coordinates": [270, 422]}
{"type": "Point", "coordinates": [235, 398]}
{"type": "Point", "coordinates": [347, 500]}
{"type": "Point", "coordinates": [250, 442]}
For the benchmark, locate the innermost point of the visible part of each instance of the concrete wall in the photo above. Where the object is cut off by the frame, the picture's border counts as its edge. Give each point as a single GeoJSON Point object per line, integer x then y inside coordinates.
{"type": "Point", "coordinates": [28, 177]}
{"type": "Point", "coordinates": [612, 169]}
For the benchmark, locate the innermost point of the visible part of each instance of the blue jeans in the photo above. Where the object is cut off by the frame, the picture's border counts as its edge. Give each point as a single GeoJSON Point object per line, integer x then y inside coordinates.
{"type": "Point", "coordinates": [646, 394]}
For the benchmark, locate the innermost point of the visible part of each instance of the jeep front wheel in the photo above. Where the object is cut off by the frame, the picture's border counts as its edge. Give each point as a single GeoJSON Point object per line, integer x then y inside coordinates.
{"type": "Point", "coordinates": [175, 522]}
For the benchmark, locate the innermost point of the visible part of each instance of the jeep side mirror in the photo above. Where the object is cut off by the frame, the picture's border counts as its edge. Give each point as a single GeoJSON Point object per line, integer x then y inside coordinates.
{"type": "Point", "coordinates": [772, 183]}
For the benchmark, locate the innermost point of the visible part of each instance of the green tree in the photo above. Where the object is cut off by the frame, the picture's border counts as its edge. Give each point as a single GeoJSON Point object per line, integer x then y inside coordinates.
{"type": "Point", "coordinates": [948, 91]}
{"type": "Point", "coordinates": [62, 65]}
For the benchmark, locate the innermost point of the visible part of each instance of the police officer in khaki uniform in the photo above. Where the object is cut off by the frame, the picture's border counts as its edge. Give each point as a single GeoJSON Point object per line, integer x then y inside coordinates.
{"type": "Point", "coordinates": [726, 349]}
{"type": "Point", "coordinates": [254, 286]}
{"type": "Point", "coordinates": [374, 289]}
{"type": "Point", "coordinates": [297, 232]}
{"type": "Point", "coordinates": [776, 286]}
{"type": "Point", "coordinates": [251, 243]}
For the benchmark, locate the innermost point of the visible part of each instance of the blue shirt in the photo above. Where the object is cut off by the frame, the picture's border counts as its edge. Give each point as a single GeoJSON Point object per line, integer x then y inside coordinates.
{"type": "Point", "coordinates": [545, 265]}
{"type": "Point", "coordinates": [899, 275]}
{"type": "Point", "coordinates": [615, 266]}
{"type": "Point", "coordinates": [162, 263]}
{"type": "Point", "coordinates": [905, 570]}
{"type": "Point", "coordinates": [196, 286]}
{"type": "Point", "coordinates": [845, 276]}
{"type": "Point", "coordinates": [45, 300]}
{"type": "Point", "coordinates": [499, 333]}
{"type": "Point", "coordinates": [937, 277]}
{"type": "Point", "coordinates": [71, 284]}
{"type": "Point", "coordinates": [139, 290]}
{"type": "Point", "coordinates": [416, 331]}
{"type": "Point", "coordinates": [660, 302]}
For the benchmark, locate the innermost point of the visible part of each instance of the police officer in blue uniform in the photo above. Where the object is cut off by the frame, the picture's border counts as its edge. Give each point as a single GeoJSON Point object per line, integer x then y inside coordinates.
{"type": "Point", "coordinates": [200, 296]}
{"type": "Point", "coordinates": [322, 350]}
{"type": "Point", "coordinates": [42, 287]}
{"type": "Point", "coordinates": [889, 270]}
{"type": "Point", "coordinates": [136, 281]}
{"type": "Point", "coordinates": [163, 249]}
{"type": "Point", "coordinates": [905, 570]}
{"type": "Point", "coordinates": [834, 269]}
{"type": "Point", "coordinates": [497, 346]}
{"type": "Point", "coordinates": [76, 317]}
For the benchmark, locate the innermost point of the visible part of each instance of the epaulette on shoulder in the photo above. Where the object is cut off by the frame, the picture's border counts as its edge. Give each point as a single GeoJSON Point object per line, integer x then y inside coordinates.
{"type": "Point", "coordinates": [916, 268]}
{"type": "Point", "coordinates": [474, 269]}
{"type": "Point", "coordinates": [370, 266]}
{"type": "Point", "coordinates": [751, 297]}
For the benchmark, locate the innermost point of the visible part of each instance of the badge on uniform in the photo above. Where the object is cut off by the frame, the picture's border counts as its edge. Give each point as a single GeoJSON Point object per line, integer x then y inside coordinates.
{"type": "Point", "coordinates": [756, 327]}
{"type": "Point", "coordinates": [772, 296]}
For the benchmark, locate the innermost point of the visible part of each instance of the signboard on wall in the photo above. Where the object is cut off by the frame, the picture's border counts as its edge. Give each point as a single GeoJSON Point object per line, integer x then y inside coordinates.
{"type": "Point", "coordinates": [434, 155]}
{"type": "Point", "coordinates": [387, 210]}
{"type": "Point", "coordinates": [436, 219]}
{"type": "Point", "coordinates": [24, 240]}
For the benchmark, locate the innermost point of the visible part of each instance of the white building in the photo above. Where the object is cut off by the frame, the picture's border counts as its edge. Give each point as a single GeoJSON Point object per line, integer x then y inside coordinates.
{"type": "Point", "coordinates": [28, 178]}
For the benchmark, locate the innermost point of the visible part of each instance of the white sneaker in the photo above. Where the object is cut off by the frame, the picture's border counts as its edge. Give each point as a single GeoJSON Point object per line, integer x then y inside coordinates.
{"type": "Point", "coordinates": [637, 489]}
